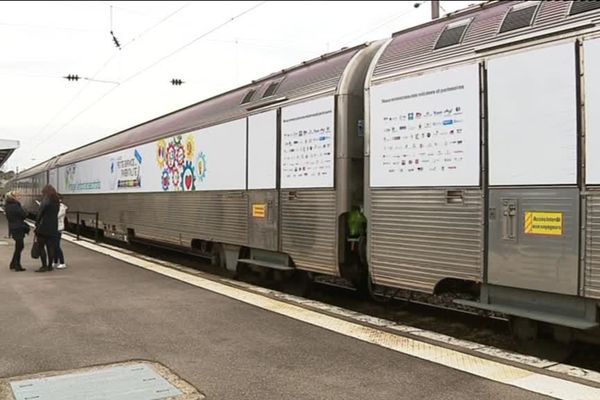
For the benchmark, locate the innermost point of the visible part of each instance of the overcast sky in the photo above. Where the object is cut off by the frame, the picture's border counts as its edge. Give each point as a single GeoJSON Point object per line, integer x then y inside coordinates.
{"type": "Point", "coordinates": [212, 46]}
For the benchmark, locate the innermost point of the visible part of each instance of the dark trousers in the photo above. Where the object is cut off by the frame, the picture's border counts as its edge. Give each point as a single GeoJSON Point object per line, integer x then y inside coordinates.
{"type": "Point", "coordinates": [46, 243]}
{"type": "Point", "coordinates": [58, 253]}
{"type": "Point", "coordinates": [16, 258]}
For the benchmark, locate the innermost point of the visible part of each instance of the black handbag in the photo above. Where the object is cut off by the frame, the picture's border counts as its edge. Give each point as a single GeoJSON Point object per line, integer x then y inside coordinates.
{"type": "Point", "coordinates": [26, 229]}
{"type": "Point", "coordinates": [35, 249]}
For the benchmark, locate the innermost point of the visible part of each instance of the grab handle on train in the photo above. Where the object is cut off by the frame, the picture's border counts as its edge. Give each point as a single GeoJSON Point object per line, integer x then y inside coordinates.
{"type": "Point", "coordinates": [509, 219]}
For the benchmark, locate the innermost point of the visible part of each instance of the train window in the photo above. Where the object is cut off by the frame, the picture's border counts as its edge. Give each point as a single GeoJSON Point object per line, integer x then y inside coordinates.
{"type": "Point", "coordinates": [519, 16]}
{"type": "Point", "coordinates": [248, 96]}
{"type": "Point", "coordinates": [581, 6]}
{"type": "Point", "coordinates": [452, 34]}
{"type": "Point", "coordinates": [271, 89]}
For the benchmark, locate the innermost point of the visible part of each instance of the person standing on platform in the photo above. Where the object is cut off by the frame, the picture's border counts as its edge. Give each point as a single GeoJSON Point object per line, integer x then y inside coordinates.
{"type": "Point", "coordinates": [59, 257]}
{"type": "Point", "coordinates": [17, 228]}
{"type": "Point", "coordinates": [46, 226]}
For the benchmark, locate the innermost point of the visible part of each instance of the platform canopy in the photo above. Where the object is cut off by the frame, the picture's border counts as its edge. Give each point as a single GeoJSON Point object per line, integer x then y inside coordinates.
{"type": "Point", "coordinates": [7, 147]}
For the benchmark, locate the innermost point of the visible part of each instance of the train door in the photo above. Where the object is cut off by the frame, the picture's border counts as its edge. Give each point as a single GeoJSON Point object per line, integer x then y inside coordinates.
{"type": "Point", "coordinates": [534, 200]}
{"type": "Point", "coordinates": [263, 207]}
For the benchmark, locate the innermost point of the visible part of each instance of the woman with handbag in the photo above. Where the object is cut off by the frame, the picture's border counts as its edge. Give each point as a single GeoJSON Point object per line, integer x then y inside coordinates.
{"type": "Point", "coordinates": [46, 227]}
{"type": "Point", "coordinates": [17, 228]}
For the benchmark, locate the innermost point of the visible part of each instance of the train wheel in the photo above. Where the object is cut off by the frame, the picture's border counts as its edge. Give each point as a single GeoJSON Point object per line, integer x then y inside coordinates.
{"type": "Point", "coordinates": [523, 329]}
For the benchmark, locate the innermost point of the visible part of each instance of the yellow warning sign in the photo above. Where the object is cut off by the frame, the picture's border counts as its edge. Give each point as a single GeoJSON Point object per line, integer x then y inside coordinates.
{"type": "Point", "coordinates": [259, 210]}
{"type": "Point", "coordinates": [543, 223]}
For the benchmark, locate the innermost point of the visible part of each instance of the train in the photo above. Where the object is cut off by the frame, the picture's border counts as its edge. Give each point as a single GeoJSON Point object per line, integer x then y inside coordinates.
{"type": "Point", "coordinates": [459, 155]}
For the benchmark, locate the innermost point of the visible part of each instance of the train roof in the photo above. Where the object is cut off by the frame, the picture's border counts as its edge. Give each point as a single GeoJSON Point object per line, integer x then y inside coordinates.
{"type": "Point", "coordinates": [466, 31]}
{"type": "Point", "coordinates": [317, 75]}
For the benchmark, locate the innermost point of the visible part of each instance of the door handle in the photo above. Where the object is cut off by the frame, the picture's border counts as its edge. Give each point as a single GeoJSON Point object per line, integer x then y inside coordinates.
{"type": "Point", "coordinates": [269, 210]}
{"type": "Point", "coordinates": [509, 222]}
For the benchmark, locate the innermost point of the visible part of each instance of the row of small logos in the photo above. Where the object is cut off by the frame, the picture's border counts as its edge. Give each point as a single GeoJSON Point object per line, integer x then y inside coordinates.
{"type": "Point", "coordinates": [414, 146]}
{"type": "Point", "coordinates": [310, 132]}
{"type": "Point", "coordinates": [411, 116]}
{"type": "Point", "coordinates": [422, 169]}
{"type": "Point", "coordinates": [427, 125]}
{"type": "Point", "coordinates": [419, 161]}
{"type": "Point", "coordinates": [305, 148]}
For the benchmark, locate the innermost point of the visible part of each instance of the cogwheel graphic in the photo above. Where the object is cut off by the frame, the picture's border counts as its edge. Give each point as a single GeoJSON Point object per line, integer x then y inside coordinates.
{"type": "Point", "coordinates": [180, 156]}
{"type": "Point", "coordinates": [188, 179]}
{"type": "Point", "coordinates": [170, 156]}
{"type": "Point", "coordinates": [189, 147]}
{"type": "Point", "coordinates": [165, 180]}
{"type": "Point", "coordinates": [175, 177]}
{"type": "Point", "coordinates": [201, 163]}
{"type": "Point", "coordinates": [161, 149]}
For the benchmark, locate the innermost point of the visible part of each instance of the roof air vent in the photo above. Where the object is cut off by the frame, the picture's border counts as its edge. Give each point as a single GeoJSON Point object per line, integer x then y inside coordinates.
{"type": "Point", "coordinates": [271, 89]}
{"type": "Point", "coordinates": [248, 96]}
{"type": "Point", "coordinates": [519, 16]}
{"type": "Point", "coordinates": [452, 34]}
{"type": "Point", "coordinates": [581, 6]}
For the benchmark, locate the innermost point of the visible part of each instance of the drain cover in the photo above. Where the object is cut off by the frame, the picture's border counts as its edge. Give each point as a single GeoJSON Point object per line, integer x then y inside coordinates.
{"type": "Point", "coordinates": [134, 381]}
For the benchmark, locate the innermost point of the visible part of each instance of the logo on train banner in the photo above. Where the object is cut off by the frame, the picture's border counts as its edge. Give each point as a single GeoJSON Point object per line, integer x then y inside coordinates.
{"type": "Point", "coordinates": [543, 223]}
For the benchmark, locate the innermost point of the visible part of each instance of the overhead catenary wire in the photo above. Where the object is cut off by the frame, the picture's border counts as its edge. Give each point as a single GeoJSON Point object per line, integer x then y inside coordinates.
{"type": "Point", "coordinates": [93, 79]}
{"type": "Point", "coordinates": [201, 36]}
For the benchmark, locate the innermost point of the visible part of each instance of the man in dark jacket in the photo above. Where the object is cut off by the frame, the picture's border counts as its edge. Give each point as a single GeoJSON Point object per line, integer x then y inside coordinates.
{"type": "Point", "coordinates": [46, 226]}
{"type": "Point", "coordinates": [17, 228]}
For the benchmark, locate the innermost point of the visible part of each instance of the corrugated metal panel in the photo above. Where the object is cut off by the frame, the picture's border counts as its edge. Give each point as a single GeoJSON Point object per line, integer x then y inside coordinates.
{"type": "Point", "coordinates": [417, 239]}
{"type": "Point", "coordinates": [415, 47]}
{"type": "Point", "coordinates": [592, 247]}
{"type": "Point", "coordinates": [215, 216]}
{"type": "Point", "coordinates": [309, 229]}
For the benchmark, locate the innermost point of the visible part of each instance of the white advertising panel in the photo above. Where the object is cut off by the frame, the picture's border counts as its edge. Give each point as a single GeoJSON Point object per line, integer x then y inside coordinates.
{"type": "Point", "coordinates": [591, 53]}
{"type": "Point", "coordinates": [262, 150]}
{"type": "Point", "coordinates": [307, 144]}
{"type": "Point", "coordinates": [425, 130]}
{"type": "Point", "coordinates": [533, 118]}
{"type": "Point", "coordinates": [209, 159]}
{"type": "Point", "coordinates": [222, 149]}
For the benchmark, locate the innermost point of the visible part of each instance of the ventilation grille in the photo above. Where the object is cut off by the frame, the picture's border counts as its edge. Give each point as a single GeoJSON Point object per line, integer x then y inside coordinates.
{"type": "Point", "coordinates": [453, 34]}
{"type": "Point", "coordinates": [248, 96]}
{"type": "Point", "coordinates": [581, 6]}
{"type": "Point", "coordinates": [271, 89]}
{"type": "Point", "coordinates": [518, 17]}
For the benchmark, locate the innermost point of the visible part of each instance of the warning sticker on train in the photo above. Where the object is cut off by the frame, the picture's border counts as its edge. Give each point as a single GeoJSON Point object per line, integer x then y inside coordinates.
{"type": "Point", "coordinates": [543, 223]}
{"type": "Point", "coordinates": [259, 210]}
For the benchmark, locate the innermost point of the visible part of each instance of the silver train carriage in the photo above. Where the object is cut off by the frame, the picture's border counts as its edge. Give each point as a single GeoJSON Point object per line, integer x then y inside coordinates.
{"type": "Point", "coordinates": [480, 161]}
{"type": "Point", "coordinates": [262, 175]}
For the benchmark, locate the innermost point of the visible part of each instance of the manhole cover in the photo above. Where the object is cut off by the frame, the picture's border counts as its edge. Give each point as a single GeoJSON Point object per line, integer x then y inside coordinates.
{"type": "Point", "coordinates": [131, 381]}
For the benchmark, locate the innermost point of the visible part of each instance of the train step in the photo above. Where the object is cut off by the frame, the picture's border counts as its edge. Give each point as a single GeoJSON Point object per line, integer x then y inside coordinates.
{"type": "Point", "coordinates": [577, 323]}
{"type": "Point", "coordinates": [266, 264]}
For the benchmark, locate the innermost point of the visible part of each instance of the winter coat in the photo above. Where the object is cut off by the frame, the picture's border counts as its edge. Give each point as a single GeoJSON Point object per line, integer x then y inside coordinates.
{"type": "Point", "coordinates": [62, 213]}
{"type": "Point", "coordinates": [15, 214]}
{"type": "Point", "coordinates": [46, 223]}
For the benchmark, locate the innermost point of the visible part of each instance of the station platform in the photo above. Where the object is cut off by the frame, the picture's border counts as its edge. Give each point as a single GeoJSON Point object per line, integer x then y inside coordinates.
{"type": "Point", "coordinates": [106, 309]}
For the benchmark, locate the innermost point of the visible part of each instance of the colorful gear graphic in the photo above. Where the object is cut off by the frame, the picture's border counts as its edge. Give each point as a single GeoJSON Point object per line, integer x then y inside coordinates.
{"type": "Point", "coordinates": [188, 179]}
{"type": "Point", "coordinates": [170, 156]}
{"type": "Point", "coordinates": [189, 146]}
{"type": "Point", "coordinates": [161, 149]}
{"type": "Point", "coordinates": [180, 156]}
{"type": "Point", "coordinates": [165, 180]}
{"type": "Point", "coordinates": [201, 163]}
{"type": "Point", "coordinates": [175, 178]}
